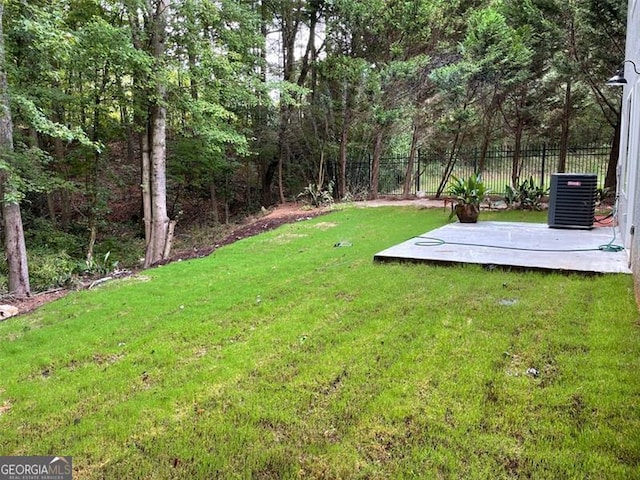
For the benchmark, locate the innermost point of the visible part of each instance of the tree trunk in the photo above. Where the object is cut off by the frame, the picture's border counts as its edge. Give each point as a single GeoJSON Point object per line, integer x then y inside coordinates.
{"type": "Point", "coordinates": [159, 217]}
{"type": "Point", "coordinates": [457, 143]}
{"type": "Point", "coordinates": [214, 202]}
{"type": "Point", "coordinates": [145, 182]}
{"type": "Point", "coordinates": [320, 181]}
{"type": "Point", "coordinates": [62, 194]}
{"type": "Point", "coordinates": [517, 154]}
{"type": "Point", "coordinates": [14, 244]}
{"type": "Point", "coordinates": [564, 135]}
{"type": "Point", "coordinates": [283, 149]}
{"type": "Point", "coordinates": [611, 180]}
{"type": "Point", "coordinates": [290, 21]}
{"type": "Point", "coordinates": [15, 249]}
{"type": "Point", "coordinates": [158, 227]}
{"type": "Point", "coordinates": [342, 162]}
{"type": "Point", "coordinates": [93, 181]}
{"type": "Point", "coordinates": [375, 165]}
{"type": "Point", "coordinates": [486, 139]}
{"type": "Point", "coordinates": [126, 122]}
{"type": "Point", "coordinates": [408, 176]}
{"type": "Point", "coordinates": [267, 173]}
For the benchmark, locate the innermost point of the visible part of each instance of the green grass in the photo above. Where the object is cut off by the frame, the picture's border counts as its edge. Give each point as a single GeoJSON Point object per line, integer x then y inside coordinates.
{"type": "Point", "coordinates": [282, 356]}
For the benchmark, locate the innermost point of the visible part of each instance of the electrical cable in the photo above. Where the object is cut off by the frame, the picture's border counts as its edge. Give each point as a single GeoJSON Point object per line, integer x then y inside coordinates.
{"type": "Point", "coordinates": [435, 242]}
{"type": "Point", "coordinates": [602, 220]}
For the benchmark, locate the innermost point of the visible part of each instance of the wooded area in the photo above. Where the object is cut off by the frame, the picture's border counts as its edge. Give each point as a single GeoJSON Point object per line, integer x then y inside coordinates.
{"type": "Point", "coordinates": [141, 112]}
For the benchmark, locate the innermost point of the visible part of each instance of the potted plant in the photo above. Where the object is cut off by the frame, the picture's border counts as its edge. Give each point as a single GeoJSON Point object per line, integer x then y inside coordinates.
{"type": "Point", "coordinates": [469, 194]}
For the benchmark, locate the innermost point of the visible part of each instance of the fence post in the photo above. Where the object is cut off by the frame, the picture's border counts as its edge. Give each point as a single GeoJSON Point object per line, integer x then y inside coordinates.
{"type": "Point", "coordinates": [544, 159]}
{"type": "Point", "coordinates": [418, 171]}
{"type": "Point", "coordinates": [475, 160]}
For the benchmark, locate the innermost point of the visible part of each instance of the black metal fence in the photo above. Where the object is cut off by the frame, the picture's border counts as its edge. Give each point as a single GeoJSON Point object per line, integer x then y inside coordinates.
{"type": "Point", "coordinates": [538, 161]}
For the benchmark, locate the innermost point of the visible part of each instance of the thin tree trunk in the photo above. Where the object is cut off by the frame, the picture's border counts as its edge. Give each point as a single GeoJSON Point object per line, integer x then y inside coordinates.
{"type": "Point", "coordinates": [128, 126]}
{"type": "Point", "coordinates": [517, 154]}
{"type": "Point", "coordinates": [145, 182]}
{"type": "Point", "coordinates": [283, 156]}
{"type": "Point", "coordinates": [375, 166]}
{"type": "Point", "coordinates": [34, 142]}
{"type": "Point", "coordinates": [14, 244]}
{"type": "Point", "coordinates": [65, 217]}
{"type": "Point", "coordinates": [320, 181]}
{"type": "Point", "coordinates": [344, 141]}
{"type": "Point", "coordinates": [486, 138]}
{"type": "Point", "coordinates": [93, 181]}
{"type": "Point", "coordinates": [408, 176]}
{"type": "Point", "coordinates": [457, 143]}
{"type": "Point", "coordinates": [92, 243]}
{"type": "Point", "coordinates": [214, 202]}
{"type": "Point", "coordinates": [290, 21]}
{"type": "Point", "coordinates": [169, 241]}
{"type": "Point", "coordinates": [342, 163]}
{"type": "Point", "coordinates": [564, 134]}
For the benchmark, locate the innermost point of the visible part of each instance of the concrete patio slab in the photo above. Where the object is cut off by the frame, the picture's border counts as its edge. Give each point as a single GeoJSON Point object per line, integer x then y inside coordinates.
{"type": "Point", "coordinates": [513, 244]}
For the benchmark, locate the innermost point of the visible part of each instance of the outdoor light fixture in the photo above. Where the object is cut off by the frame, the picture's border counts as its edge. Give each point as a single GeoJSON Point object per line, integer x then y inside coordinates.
{"type": "Point", "coordinates": [618, 79]}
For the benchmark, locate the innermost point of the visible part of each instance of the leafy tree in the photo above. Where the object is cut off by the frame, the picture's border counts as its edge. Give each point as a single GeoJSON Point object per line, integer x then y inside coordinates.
{"type": "Point", "coordinates": [216, 72]}
{"type": "Point", "coordinates": [598, 50]}
{"type": "Point", "coordinates": [493, 68]}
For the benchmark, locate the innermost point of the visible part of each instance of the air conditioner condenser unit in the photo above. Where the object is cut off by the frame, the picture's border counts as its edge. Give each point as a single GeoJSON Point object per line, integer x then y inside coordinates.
{"type": "Point", "coordinates": [572, 200]}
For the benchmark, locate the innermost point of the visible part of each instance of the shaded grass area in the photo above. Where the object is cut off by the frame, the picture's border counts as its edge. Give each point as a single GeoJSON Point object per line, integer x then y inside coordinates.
{"type": "Point", "coordinates": [283, 356]}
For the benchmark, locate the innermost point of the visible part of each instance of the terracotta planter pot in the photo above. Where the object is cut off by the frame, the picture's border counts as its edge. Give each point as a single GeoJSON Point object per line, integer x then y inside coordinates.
{"type": "Point", "coordinates": [467, 212]}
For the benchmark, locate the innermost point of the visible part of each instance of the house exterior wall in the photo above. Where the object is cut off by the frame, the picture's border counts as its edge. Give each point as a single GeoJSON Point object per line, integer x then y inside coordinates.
{"type": "Point", "coordinates": [629, 161]}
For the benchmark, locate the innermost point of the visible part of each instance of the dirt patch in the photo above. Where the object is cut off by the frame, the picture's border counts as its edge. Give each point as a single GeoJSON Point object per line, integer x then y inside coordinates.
{"type": "Point", "coordinates": [326, 225]}
{"type": "Point", "coordinates": [5, 407]}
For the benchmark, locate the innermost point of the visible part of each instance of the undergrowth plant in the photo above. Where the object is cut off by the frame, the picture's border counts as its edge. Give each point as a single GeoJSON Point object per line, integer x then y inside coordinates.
{"type": "Point", "coordinates": [98, 266]}
{"type": "Point", "coordinates": [57, 258]}
{"type": "Point", "coordinates": [525, 196]}
{"type": "Point", "coordinates": [317, 196]}
{"type": "Point", "coordinates": [604, 194]}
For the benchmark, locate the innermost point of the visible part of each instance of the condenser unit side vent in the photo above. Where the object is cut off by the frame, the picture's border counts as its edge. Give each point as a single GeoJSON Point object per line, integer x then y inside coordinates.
{"type": "Point", "coordinates": [572, 200]}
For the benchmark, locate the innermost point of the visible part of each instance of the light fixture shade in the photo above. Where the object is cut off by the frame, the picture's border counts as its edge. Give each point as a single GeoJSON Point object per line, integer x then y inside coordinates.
{"type": "Point", "coordinates": [618, 79]}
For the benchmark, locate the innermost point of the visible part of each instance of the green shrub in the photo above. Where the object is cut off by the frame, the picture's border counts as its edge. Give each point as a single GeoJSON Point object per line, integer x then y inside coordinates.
{"type": "Point", "coordinates": [44, 235]}
{"type": "Point", "coordinates": [51, 269]}
{"type": "Point", "coordinates": [98, 265]}
{"type": "Point", "coordinates": [526, 196]}
{"type": "Point", "coordinates": [313, 194]}
{"type": "Point", "coordinates": [123, 251]}
{"type": "Point", "coordinates": [604, 194]}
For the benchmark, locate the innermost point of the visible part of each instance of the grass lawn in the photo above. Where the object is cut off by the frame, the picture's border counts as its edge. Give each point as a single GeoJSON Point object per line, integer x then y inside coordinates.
{"type": "Point", "coordinates": [283, 356]}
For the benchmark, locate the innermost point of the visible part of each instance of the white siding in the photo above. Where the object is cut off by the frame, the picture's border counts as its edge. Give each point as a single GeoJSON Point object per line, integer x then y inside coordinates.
{"type": "Point", "coordinates": [629, 161]}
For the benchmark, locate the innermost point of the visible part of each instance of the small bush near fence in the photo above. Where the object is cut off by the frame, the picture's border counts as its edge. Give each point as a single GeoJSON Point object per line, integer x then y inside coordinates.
{"type": "Point", "coordinates": [537, 162]}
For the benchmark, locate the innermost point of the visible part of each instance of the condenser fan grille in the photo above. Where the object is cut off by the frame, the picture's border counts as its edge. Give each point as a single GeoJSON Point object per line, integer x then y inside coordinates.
{"type": "Point", "coordinates": [572, 200]}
